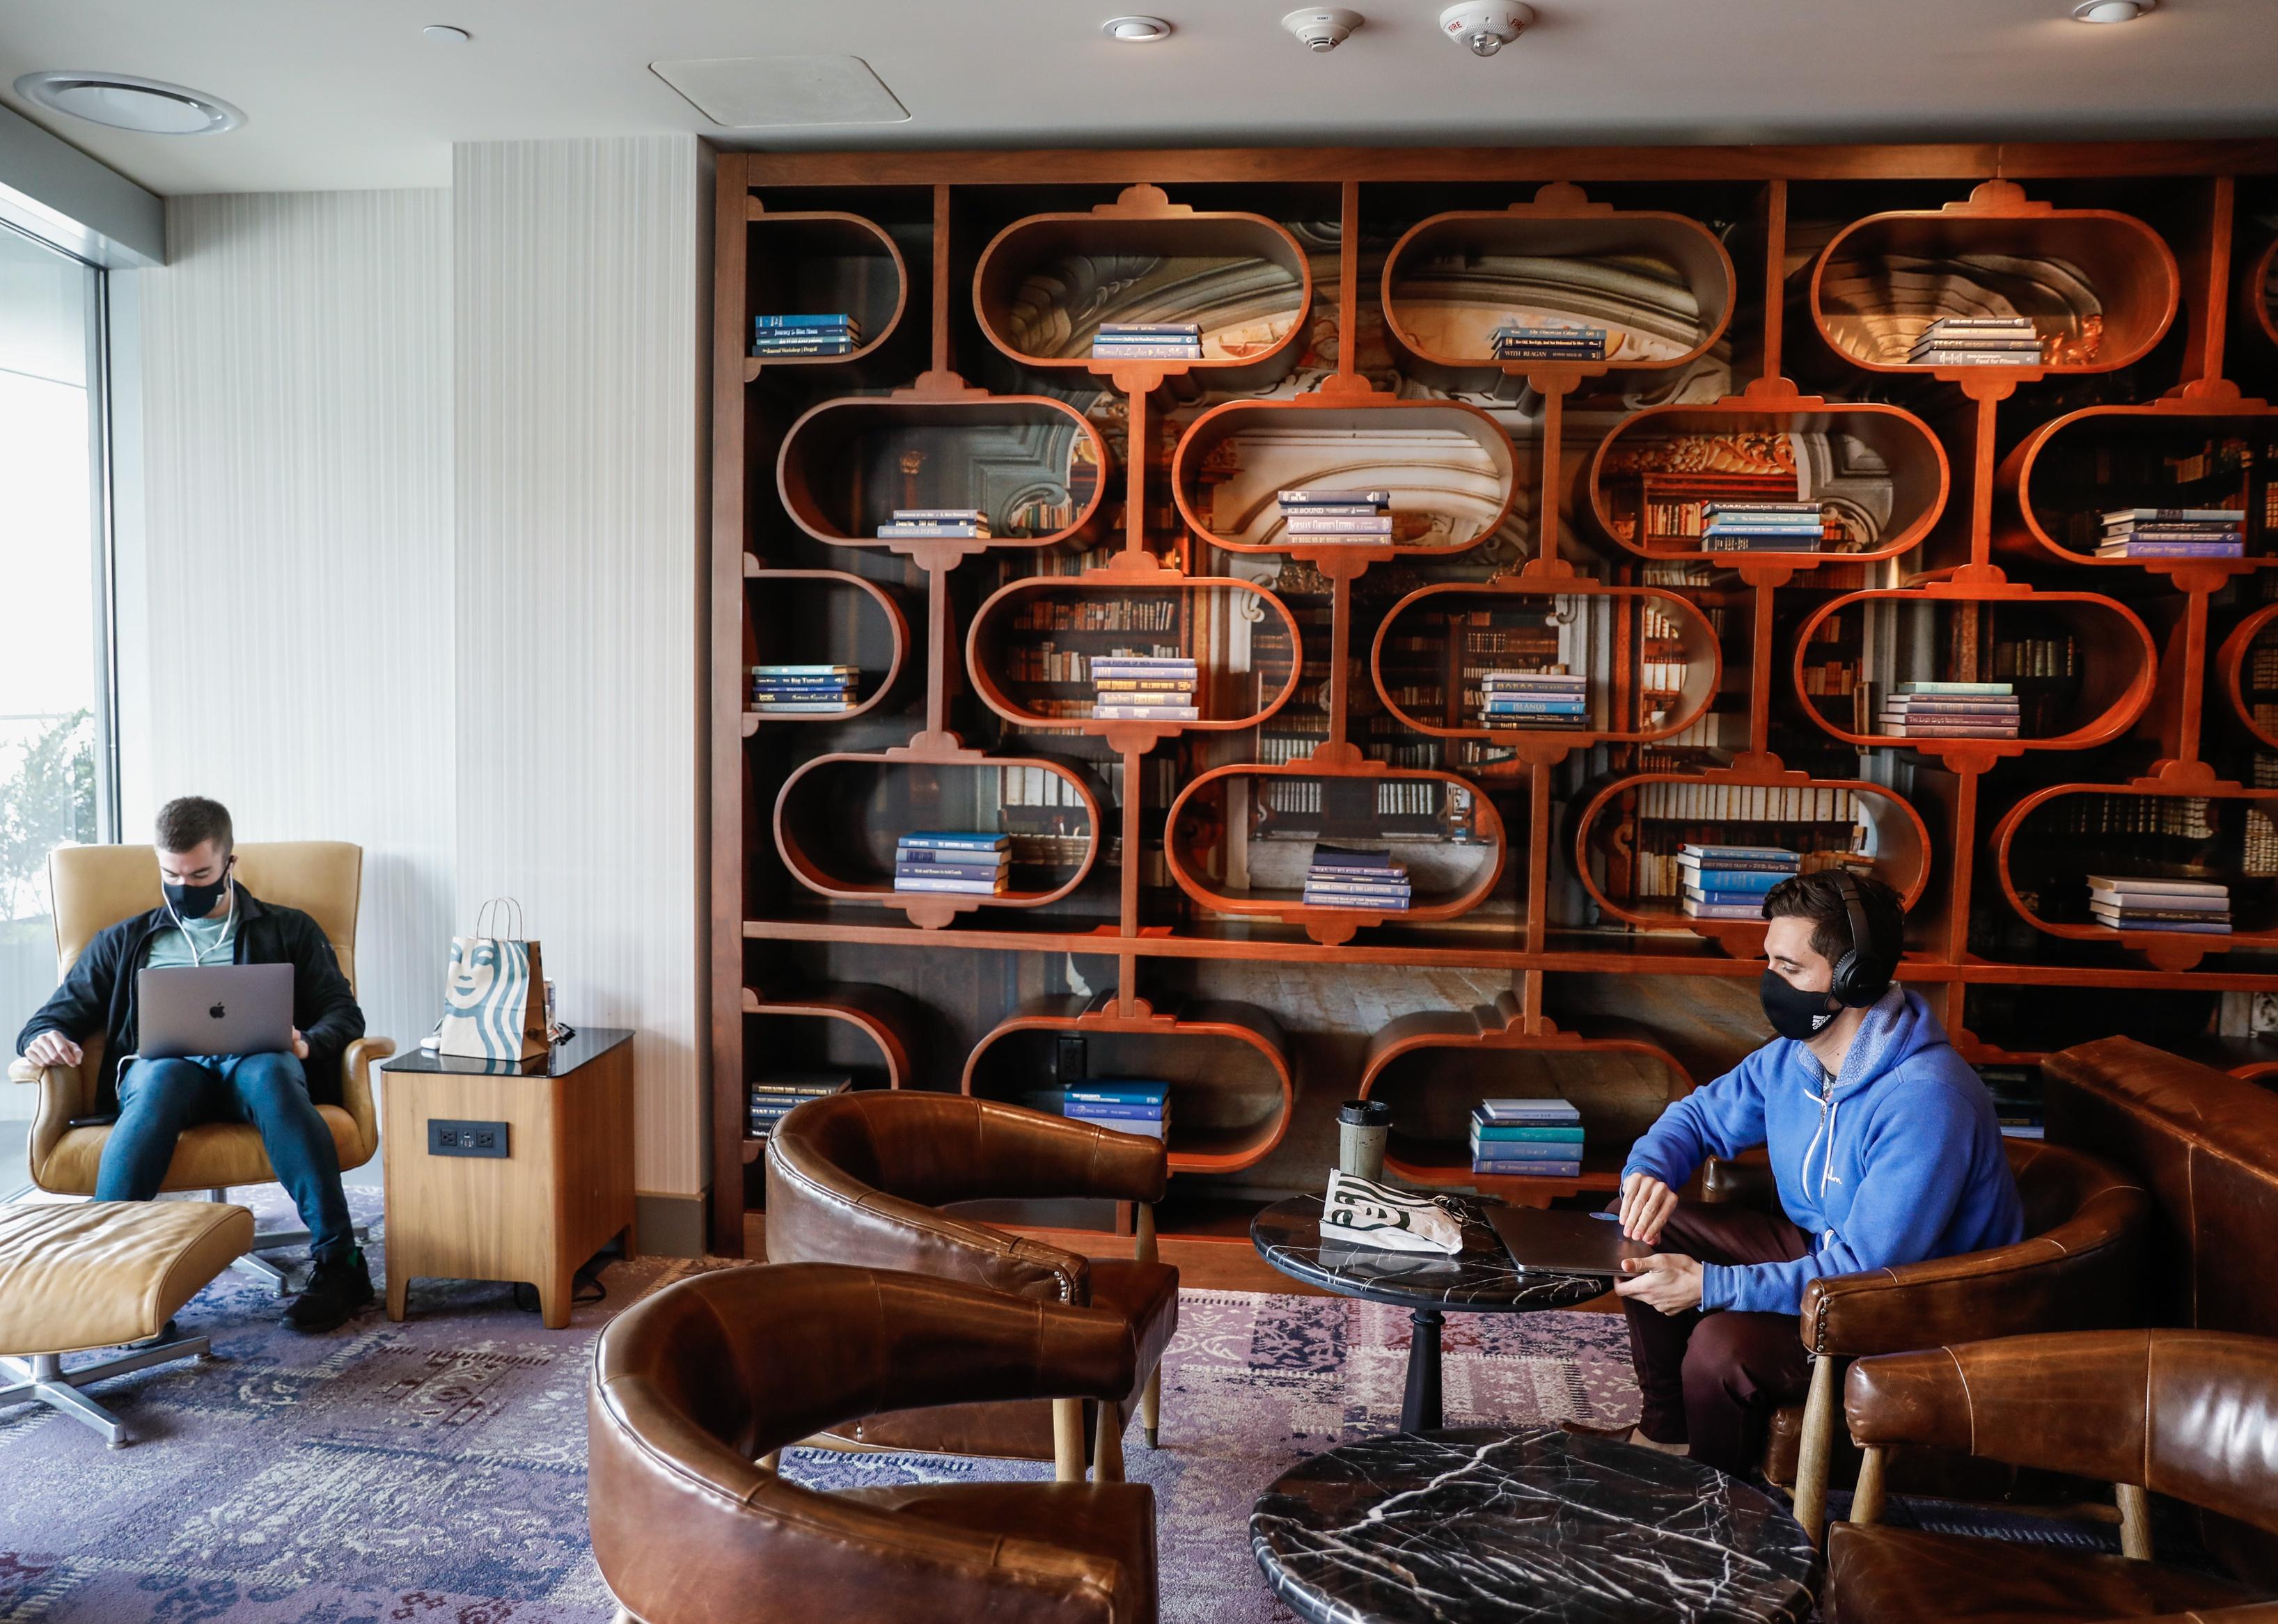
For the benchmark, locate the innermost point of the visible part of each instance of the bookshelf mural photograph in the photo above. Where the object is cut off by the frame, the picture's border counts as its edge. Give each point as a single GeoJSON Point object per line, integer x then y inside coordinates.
{"type": "Point", "coordinates": [1200, 642]}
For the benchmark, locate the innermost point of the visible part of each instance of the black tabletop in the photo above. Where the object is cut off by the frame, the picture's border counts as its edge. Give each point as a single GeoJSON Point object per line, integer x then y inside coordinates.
{"type": "Point", "coordinates": [1479, 1279]}
{"type": "Point", "coordinates": [587, 1043]}
{"type": "Point", "coordinates": [1483, 1523]}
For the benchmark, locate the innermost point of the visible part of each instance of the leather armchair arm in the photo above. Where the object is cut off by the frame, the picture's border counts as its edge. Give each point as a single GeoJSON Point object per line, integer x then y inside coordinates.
{"type": "Point", "coordinates": [2083, 1276]}
{"type": "Point", "coordinates": [2184, 1412]}
{"type": "Point", "coordinates": [357, 1062]}
{"type": "Point", "coordinates": [1034, 1154]}
{"type": "Point", "coordinates": [2249, 1612]}
{"type": "Point", "coordinates": [62, 1089]}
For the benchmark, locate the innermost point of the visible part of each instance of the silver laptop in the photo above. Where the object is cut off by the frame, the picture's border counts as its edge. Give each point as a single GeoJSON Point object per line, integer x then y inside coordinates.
{"type": "Point", "coordinates": [214, 1009]}
{"type": "Point", "coordinates": [1564, 1243]}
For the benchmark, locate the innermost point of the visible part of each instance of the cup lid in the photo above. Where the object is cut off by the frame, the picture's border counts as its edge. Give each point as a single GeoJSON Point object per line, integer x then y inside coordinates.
{"type": "Point", "coordinates": [1366, 1113]}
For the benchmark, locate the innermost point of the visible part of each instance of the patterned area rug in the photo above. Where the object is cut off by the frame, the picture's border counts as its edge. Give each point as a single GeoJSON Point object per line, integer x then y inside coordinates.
{"type": "Point", "coordinates": [434, 1471]}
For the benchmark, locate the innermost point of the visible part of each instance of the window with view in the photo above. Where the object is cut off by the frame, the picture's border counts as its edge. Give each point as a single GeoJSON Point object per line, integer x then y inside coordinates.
{"type": "Point", "coordinates": [55, 760]}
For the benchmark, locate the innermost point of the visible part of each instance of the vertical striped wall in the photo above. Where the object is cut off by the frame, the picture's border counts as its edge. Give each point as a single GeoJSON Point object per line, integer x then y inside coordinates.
{"type": "Point", "coordinates": [576, 295]}
{"type": "Point", "coordinates": [294, 656]}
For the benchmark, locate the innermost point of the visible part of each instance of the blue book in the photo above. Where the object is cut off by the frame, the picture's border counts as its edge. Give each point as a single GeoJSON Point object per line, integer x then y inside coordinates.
{"type": "Point", "coordinates": [1525, 1133]}
{"type": "Point", "coordinates": [1354, 857]}
{"type": "Point", "coordinates": [1163, 330]}
{"type": "Point", "coordinates": [939, 515]}
{"type": "Point", "coordinates": [1498, 706]}
{"type": "Point", "coordinates": [833, 318]}
{"type": "Point", "coordinates": [969, 840]}
{"type": "Point", "coordinates": [1725, 899]}
{"type": "Point", "coordinates": [1528, 1169]}
{"type": "Point", "coordinates": [1714, 878]}
{"type": "Point", "coordinates": [1104, 1091]}
{"type": "Point", "coordinates": [945, 532]}
{"type": "Point", "coordinates": [961, 888]}
{"type": "Point", "coordinates": [1146, 352]}
{"type": "Point", "coordinates": [1378, 905]}
{"type": "Point", "coordinates": [1528, 1109]}
{"type": "Point", "coordinates": [1063, 1100]}
{"type": "Point", "coordinates": [1525, 1150]}
{"type": "Point", "coordinates": [963, 857]}
{"type": "Point", "coordinates": [792, 351]}
{"type": "Point", "coordinates": [907, 870]}
{"type": "Point", "coordinates": [1335, 497]}
{"type": "Point", "coordinates": [1710, 855]}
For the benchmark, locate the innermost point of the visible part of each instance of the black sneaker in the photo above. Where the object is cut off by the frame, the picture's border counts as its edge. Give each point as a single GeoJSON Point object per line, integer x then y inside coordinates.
{"type": "Point", "coordinates": [337, 1290]}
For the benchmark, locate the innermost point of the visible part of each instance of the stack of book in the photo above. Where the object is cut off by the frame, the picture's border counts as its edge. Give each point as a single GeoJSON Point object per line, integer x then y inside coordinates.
{"type": "Point", "coordinates": [1147, 341]}
{"type": "Point", "coordinates": [1951, 710]}
{"type": "Point", "coordinates": [2191, 907]}
{"type": "Point", "coordinates": [1977, 341]}
{"type": "Point", "coordinates": [1519, 340]}
{"type": "Point", "coordinates": [1534, 699]}
{"type": "Point", "coordinates": [1128, 1105]}
{"type": "Point", "coordinates": [774, 337]}
{"type": "Point", "coordinates": [1729, 883]}
{"type": "Point", "coordinates": [2173, 532]}
{"type": "Point", "coordinates": [1142, 688]}
{"type": "Point", "coordinates": [963, 862]}
{"type": "Point", "coordinates": [927, 524]}
{"type": "Point", "coordinates": [2018, 1104]}
{"type": "Point", "coordinates": [775, 1094]}
{"type": "Point", "coordinates": [1356, 876]}
{"type": "Point", "coordinates": [804, 691]}
{"type": "Point", "coordinates": [1773, 527]}
{"type": "Point", "coordinates": [1320, 514]}
{"type": "Point", "coordinates": [1526, 1138]}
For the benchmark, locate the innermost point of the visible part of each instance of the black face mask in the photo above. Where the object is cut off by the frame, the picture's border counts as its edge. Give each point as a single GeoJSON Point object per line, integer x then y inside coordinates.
{"type": "Point", "coordinates": [1793, 1012]}
{"type": "Point", "coordinates": [194, 902]}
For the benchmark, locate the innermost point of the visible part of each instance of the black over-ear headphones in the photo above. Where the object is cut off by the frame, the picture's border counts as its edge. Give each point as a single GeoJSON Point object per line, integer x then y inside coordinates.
{"type": "Point", "coordinates": [1861, 973]}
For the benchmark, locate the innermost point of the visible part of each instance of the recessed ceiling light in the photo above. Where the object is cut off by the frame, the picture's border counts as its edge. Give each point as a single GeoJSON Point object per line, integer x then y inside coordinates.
{"type": "Point", "coordinates": [443, 34]}
{"type": "Point", "coordinates": [150, 106]}
{"type": "Point", "coordinates": [1135, 30]}
{"type": "Point", "coordinates": [2111, 10]}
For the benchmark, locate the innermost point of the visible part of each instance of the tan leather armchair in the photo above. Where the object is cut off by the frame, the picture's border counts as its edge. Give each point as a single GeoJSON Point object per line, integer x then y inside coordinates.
{"type": "Point", "coordinates": [697, 1389]}
{"type": "Point", "coordinates": [2080, 1267]}
{"type": "Point", "coordinates": [858, 1177]}
{"type": "Point", "coordinates": [2190, 1414]}
{"type": "Point", "coordinates": [93, 886]}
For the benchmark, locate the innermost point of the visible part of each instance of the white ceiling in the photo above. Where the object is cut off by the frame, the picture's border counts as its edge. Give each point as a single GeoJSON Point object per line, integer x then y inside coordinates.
{"type": "Point", "coordinates": [347, 92]}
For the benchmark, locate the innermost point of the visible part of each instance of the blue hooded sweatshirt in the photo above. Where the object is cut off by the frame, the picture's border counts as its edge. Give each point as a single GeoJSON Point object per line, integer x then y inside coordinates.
{"type": "Point", "coordinates": [1900, 1159]}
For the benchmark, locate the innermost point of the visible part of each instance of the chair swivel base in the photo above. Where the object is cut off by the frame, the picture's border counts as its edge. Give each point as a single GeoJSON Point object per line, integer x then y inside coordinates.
{"type": "Point", "coordinates": [41, 1378]}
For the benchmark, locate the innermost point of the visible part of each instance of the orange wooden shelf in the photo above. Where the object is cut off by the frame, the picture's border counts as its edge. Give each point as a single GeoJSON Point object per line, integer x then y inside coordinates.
{"type": "Point", "coordinates": [782, 251]}
{"type": "Point", "coordinates": [898, 635]}
{"type": "Point", "coordinates": [883, 1015]}
{"type": "Point", "coordinates": [2231, 663]}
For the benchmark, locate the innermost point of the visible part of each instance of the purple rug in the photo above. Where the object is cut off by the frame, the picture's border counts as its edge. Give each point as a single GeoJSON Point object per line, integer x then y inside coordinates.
{"type": "Point", "coordinates": [434, 1471]}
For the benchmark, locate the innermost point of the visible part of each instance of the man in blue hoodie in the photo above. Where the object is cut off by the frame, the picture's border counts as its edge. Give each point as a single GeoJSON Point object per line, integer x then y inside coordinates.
{"type": "Point", "coordinates": [1885, 1147]}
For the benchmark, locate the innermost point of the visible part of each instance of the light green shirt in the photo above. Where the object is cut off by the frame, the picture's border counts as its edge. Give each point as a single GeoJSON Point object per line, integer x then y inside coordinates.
{"type": "Point", "coordinates": [170, 948]}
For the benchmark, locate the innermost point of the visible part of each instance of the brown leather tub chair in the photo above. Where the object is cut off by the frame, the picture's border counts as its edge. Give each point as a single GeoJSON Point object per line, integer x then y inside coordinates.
{"type": "Point", "coordinates": [2079, 1268]}
{"type": "Point", "coordinates": [2189, 1413]}
{"type": "Point", "coordinates": [856, 1179]}
{"type": "Point", "coordinates": [696, 1389]}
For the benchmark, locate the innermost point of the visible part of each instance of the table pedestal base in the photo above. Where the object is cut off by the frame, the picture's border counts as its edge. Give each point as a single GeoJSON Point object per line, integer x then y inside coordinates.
{"type": "Point", "coordinates": [1419, 1407]}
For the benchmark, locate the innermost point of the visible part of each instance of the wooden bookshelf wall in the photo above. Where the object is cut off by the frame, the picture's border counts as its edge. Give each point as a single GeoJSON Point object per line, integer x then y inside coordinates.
{"type": "Point", "coordinates": [1765, 299]}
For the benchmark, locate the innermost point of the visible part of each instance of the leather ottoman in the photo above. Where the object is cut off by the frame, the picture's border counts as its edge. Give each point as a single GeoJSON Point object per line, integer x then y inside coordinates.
{"type": "Point", "coordinates": [83, 1274]}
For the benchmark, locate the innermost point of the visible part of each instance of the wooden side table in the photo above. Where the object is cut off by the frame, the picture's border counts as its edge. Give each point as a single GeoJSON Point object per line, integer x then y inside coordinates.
{"type": "Point", "coordinates": [563, 1190]}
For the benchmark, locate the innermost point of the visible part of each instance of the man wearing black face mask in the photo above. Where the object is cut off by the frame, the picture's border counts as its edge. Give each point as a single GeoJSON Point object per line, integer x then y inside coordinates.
{"type": "Point", "coordinates": [1884, 1144]}
{"type": "Point", "coordinates": [209, 919]}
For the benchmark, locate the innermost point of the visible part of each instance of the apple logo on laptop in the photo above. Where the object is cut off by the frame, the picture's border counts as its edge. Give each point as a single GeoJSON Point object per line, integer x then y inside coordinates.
{"type": "Point", "coordinates": [218, 1012]}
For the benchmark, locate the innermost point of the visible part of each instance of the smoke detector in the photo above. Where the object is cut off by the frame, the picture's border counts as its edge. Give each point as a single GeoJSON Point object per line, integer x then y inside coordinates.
{"type": "Point", "coordinates": [150, 106]}
{"type": "Point", "coordinates": [1322, 27]}
{"type": "Point", "coordinates": [1485, 27]}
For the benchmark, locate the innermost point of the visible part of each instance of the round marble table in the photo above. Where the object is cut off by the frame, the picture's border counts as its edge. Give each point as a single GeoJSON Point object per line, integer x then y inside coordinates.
{"type": "Point", "coordinates": [1484, 1523]}
{"type": "Point", "coordinates": [1479, 1279]}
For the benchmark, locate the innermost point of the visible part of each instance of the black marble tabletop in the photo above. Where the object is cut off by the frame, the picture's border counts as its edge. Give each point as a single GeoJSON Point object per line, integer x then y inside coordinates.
{"type": "Point", "coordinates": [1479, 1279]}
{"type": "Point", "coordinates": [1483, 1523]}
{"type": "Point", "coordinates": [559, 1060]}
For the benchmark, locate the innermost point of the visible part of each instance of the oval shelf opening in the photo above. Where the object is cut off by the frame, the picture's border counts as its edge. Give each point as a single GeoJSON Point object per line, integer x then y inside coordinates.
{"type": "Point", "coordinates": [1879, 475]}
{"type": "Point", "coordinates": [1046, 284]}
{"type": "Point", "coordinates": [1243, 839]}
{"type": "Point", "coordinates": [837, 818]}
{"type": "Point", "coordinates": [1431, 1068]}
{"type": "Point", "coordinates": [823, 262]}
{"type": "Point", "coordinates": [1661, 285]}
{"type": "Point", "coordinates": [1035, 465]}
{"type": "Point", "coordinates": [2248, 663]}
{"type": "Point", "coordinates": [1032, 643]}
{"type": "Point", "coordinates": [1650, 659]}
{"type": "Point", "coordinates": [2100, 287]}
{"type": "Point", "coordinates": [2081, 666]}
{"type": "Point", "coordinates": [1626, 841]}
{"type": "Point", "coordinates": [1454, 475]}
{"type": "Point", "coordinates": [820, 617]}
{"type": "Point", "coordinates": [1231, 1088]}
{"type": "Point", "coordinates": [2065, 476]}
{"type": "Point", "coordinates": [2225, 834]}
{"type": "Point", "coordinates": [853, 1028]}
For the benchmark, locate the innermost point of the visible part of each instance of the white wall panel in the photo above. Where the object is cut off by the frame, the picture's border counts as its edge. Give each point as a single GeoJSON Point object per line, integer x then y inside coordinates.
{"type": "Point", "coordinates": [294, 633]}
{"type": "Point", "coordinates": [576, 314]}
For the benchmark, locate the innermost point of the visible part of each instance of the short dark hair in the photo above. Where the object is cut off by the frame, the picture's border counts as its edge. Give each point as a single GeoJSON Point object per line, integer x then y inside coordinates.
{"type": "Point", "coordinates": [1819, 898]}
{"type": "Point", "coordinates": [188, 820]}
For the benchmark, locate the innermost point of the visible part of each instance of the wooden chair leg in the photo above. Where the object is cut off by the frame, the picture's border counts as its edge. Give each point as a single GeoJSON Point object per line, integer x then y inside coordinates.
{"type": "Point", "coordinates": [1867, 1500]}
{"type": "Point", "coordinates": [1067, 1440]}
{"type": "Point", "coordinates": [1818, 1449]}
{"type": "Point", "coordinates": [2135, 1520]}
{"type": "Point", "coordinates": [1151, 1407]}
{"type": "Point", "coordinates": [1107, 1447]}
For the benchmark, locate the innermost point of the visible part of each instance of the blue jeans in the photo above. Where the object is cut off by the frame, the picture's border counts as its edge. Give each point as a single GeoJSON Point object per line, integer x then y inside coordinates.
{"type": "Point", "coordinates": [157, 1099]}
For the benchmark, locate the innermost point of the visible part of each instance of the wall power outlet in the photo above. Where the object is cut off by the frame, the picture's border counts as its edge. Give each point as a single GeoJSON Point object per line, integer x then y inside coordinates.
{"type": "Point", "coordinates": [466, 1139]}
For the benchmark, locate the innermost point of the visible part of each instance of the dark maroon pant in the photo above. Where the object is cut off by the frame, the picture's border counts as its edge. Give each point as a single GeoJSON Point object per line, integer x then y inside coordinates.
{"type": "Point", "coordinates": [1713, 1379]}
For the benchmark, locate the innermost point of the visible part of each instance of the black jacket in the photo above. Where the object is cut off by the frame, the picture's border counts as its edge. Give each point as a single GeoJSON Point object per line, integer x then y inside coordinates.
{"type": "Point", "coordinates": [98, 995]}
